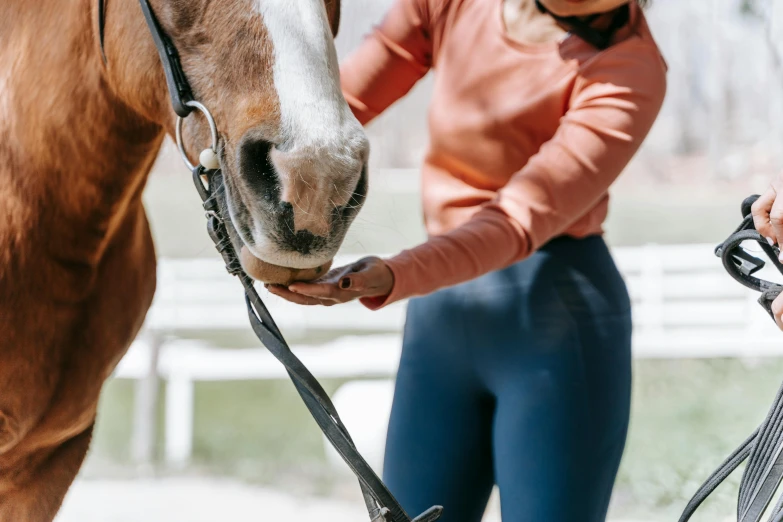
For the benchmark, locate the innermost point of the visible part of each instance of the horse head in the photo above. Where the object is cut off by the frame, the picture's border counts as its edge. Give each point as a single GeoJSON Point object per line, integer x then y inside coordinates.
{"type": "Point", "coordinates": [294, 157]}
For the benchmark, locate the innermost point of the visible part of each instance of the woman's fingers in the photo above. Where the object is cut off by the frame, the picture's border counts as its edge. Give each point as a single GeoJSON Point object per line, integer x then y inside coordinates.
{"type": "Point", "coordinates": [333, 276]}
{"type": "Point", "coordinates": [760, 211]}
{"type": "Point", "coordinates": [776, 218]}
{"type": "Point", "coordinates": [777, 311]}
{"type": "Point", "coordinates": [294, 297]}
{"type": "Point", "coordinates": [328, 291]}
{"type": "Point", "coordinates": [368, 277]}
{"type": "Point", "coordinates": [768, 212]}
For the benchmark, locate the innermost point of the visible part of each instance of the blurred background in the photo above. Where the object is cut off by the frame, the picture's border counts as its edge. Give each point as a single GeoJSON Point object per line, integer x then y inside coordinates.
{"type": "Point", "coordinates": [199, 424]}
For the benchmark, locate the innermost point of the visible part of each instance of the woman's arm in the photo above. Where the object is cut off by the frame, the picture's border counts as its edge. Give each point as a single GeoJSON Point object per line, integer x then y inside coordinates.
{"type": "Point", "coordinates": [392, 59]}
{"type": "Point", "coordinates": [611, 114]}
{"type": "Point", "coordinates": [614, 106]}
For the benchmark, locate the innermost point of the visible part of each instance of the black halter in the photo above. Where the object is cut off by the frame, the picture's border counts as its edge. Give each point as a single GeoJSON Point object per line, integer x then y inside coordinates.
{"type": "Point", "coordinates": [763, 449]}
{"type": "Point", "coordinates": [381, 504]}
{"type": "Point", "coordinates": [581, 27]}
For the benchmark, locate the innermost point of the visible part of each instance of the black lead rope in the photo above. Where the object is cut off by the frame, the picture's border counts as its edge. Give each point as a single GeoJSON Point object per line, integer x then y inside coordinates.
{"type": "Point", "coordinates": [762, 449]}
{"type": "Point", "coordinates": [381, 504]}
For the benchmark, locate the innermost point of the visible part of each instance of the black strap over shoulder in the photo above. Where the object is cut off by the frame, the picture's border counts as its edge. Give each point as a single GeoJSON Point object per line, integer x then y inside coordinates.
{"type": "Point", "coordinates": [581, 27]}
{"type": "Point", "coordinates": [764, 448]}
{"type": "Point", "coordinates": [179, 88]}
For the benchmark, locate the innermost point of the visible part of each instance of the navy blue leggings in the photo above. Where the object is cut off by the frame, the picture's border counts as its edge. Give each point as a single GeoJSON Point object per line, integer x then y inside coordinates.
{"type": "Point", "coordinates": [520, 378]}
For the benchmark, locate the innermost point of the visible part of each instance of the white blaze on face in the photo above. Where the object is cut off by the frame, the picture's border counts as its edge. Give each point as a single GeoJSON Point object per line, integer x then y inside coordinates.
{"type": "Point", "coordinates": [306, 74]}
{"type": "Point", "coordinates": [321, 148]}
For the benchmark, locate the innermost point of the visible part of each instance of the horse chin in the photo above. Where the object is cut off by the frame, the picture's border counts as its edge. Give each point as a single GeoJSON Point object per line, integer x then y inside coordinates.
{"type": "Point", "coordinates": [255, 267]}
{"type": "Point", "coordinates": [278, 275]}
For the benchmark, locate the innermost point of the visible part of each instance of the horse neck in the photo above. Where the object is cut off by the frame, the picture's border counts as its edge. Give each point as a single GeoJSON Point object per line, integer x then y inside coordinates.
{"type": "Point", "coordinates": [73, 157]}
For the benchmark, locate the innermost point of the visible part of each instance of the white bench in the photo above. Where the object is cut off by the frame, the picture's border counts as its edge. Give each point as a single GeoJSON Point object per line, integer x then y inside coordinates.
{"type": "Point", "coordinates": [685, 306]}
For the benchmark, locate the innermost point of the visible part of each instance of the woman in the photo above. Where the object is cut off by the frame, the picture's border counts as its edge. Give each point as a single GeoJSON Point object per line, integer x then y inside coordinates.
{"type": "Point", "coordinates": [768, 218]}
{"type": "Point", "coordinates": [515, 368]}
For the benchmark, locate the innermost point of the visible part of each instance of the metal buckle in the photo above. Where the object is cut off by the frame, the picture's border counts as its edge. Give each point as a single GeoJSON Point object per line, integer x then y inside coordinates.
{"type": "Point", "coordinates": [212, 130]}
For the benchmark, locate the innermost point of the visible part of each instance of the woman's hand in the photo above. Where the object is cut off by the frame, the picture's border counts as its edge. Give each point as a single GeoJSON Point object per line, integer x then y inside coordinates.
{"type": "Point", "coordinates": [368, 277]}
{"type": "Point", "coordinates": [777, 310]}
{"type": "Point", "coordinates": [768, 212]}
{"type": "Point", "coordinates": [768, 219]}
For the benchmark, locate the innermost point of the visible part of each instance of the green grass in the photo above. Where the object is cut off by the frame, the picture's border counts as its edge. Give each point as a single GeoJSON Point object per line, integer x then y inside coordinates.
{"type": "Point", "coordinates": [253, 430]}
{"type": "Point", "coordinates": [687, 416]}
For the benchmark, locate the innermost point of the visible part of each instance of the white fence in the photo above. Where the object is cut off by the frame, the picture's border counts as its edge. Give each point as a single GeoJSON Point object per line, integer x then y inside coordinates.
{"type": "Point", "coordinates": [685, 306]}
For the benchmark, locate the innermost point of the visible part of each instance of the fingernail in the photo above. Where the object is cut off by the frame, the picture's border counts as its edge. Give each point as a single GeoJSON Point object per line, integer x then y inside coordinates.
{"type": "Point", "coordinates": [771, 241]}
{"type": "Point", "coordinates": [345, 283]}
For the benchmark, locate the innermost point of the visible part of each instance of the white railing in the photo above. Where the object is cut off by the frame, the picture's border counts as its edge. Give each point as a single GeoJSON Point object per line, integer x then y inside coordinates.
{"type": "Point", "coordinates": [685, 306]}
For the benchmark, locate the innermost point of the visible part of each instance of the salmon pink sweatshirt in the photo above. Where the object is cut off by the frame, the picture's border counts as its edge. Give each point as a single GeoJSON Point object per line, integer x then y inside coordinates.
{"type": "Point", "coordinates": [525, 140]}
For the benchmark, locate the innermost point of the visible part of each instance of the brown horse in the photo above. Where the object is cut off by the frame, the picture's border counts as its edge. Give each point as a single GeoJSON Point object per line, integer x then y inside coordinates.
{"type": "Point", "coordinates": [78, 136]}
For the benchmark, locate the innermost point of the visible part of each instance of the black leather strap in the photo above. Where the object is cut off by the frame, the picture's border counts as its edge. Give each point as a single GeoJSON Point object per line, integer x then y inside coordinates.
{"type": "Point", "coordinates": [179, 88]}
{"type": "Point", "coordinates": [741, 265]}
{"type": "Point", "coordinates": [581, 27]}
{"type": "Point", "coordinates": [102, 26]}
{"type": "Point", "coordinates": [762, 475]}
{"type": "Point", "coordinates": [764, 448]}
{"type": "Point", "coordinates": [381, 504]}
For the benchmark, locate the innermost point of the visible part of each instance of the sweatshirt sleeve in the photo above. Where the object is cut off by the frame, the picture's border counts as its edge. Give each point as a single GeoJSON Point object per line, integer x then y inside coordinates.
{"type": "Point", "coordinates": [390, 61]}
{"type": "Point", "coordinates": [613, 106]}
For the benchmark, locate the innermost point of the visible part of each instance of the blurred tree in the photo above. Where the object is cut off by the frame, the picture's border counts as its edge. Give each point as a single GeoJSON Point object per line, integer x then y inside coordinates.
{"type": "Point", "coordinates": [751, 8]}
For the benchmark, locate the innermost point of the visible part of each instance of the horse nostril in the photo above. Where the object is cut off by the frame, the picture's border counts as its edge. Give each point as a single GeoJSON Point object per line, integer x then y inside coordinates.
{"type": "Point", "coordinates": [257, 169]}
{"type": "Point", "coordinates": [357, 199]}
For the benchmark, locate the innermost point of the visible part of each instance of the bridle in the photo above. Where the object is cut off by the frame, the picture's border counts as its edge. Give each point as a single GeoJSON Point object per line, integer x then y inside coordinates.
{"type": "Point", "coordinates": [764, 448]}
{"type": "Point", "coordinates": [208, 179]}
